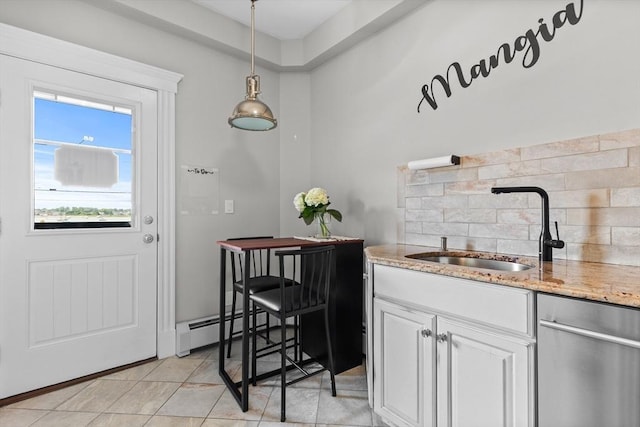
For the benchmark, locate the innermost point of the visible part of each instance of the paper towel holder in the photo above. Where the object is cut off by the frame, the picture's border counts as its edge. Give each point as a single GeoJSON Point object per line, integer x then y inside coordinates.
{"type": "Point", "coordinates": [434, 162]}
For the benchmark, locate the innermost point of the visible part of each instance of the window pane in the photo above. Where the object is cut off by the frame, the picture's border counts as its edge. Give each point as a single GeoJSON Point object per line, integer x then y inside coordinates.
{"type": "Point", "coordinates": [83, 164]}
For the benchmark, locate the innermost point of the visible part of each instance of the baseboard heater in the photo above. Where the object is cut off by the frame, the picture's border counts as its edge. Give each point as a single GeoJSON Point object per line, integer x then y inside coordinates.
{"type": "Point", "coordinates": [205, 331]}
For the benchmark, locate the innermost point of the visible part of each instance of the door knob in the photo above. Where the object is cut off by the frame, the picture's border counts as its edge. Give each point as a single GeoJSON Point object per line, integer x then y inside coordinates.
{"type": "Point", "coordinates": [441, 337]}
{"type": "Point", "coordinates": [147, 238]}
{"type": "Point", "coordinates": [425, 333]}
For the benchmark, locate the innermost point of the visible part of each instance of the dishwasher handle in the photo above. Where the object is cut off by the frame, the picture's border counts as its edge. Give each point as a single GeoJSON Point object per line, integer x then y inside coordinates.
{"type": "Point", "coordinates": [591, 334]}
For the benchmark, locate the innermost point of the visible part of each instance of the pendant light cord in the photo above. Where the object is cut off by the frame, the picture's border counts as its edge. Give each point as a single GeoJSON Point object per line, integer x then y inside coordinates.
{"type": "Point", "coordinates": [253, 36]}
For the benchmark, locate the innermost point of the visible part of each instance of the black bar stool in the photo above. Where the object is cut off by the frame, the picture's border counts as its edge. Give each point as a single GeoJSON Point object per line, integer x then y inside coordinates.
{"type": "Point", "coordinates": [305, 275]}
{"type": "Point", "coordinates": [261, 280]}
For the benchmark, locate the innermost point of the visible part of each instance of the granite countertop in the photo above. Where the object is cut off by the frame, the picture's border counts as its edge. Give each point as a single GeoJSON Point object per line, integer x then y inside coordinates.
{"type": "Point", "coordinates": [618, 284]}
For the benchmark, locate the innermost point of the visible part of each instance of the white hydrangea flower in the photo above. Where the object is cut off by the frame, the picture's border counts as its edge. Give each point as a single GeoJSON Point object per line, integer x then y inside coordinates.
{"type": "Point", "coordinates": [298, 201]}
{"type": "Point", "coordinates": [317, 196]}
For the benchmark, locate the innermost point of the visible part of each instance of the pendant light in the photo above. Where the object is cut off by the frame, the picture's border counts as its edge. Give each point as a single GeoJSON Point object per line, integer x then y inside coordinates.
{"type": "Point", "coordinates": [252, 114]}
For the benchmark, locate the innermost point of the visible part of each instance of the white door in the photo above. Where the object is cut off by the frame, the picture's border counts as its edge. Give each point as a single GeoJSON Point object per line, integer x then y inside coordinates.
{"type": "Point", "coordinates": [404, 365]}
{"type": "Point", "coordinates": [483, 378]}
{"type": "Point", "coordinates": [74, 298]}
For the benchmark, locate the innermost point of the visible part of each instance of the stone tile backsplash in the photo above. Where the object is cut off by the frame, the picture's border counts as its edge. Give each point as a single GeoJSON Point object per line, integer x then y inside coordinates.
{"type": "Point", "coordinates": [594, 195]}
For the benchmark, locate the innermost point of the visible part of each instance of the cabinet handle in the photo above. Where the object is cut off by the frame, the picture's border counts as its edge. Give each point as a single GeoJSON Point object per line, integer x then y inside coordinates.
{"type": "Point", "coordinates": [441, 337]}
{"type": "Point", "coordinates": [425, 333]}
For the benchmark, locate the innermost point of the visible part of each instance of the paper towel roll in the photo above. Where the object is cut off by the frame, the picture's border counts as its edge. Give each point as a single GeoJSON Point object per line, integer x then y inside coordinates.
{"type": "Point", "coordinates": [434, 162]}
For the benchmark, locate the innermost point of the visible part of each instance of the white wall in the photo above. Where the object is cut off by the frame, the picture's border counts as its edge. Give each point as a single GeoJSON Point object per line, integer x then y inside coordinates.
{"type": "Point", "coordinates": [365, 124]}
{"type": "Point", "coordinates": [295, 149]}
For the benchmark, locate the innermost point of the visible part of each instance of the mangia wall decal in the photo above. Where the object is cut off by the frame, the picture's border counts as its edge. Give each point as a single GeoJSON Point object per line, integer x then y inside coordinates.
{"type": "Point", "coordinates": [528, 43]}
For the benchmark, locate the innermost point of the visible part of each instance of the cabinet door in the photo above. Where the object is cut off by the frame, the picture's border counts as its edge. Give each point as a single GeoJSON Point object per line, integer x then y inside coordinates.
{"type": "Point", "coordinates": [404, 368]}
{"type": "Point", "coordinates": [483, 378]}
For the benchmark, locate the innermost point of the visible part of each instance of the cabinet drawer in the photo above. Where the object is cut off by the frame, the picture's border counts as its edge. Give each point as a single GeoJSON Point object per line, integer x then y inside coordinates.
{"type": "Point", "coordinates": [501, 306]}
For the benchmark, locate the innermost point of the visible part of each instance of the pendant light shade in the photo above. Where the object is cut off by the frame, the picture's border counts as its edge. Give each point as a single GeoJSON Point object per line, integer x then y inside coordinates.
{"type": "Point", "coordinates": [252, 114]}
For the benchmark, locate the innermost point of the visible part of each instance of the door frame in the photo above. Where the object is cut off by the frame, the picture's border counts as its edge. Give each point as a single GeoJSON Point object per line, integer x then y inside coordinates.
{"type": "Point", "coordinates": [47, 50]}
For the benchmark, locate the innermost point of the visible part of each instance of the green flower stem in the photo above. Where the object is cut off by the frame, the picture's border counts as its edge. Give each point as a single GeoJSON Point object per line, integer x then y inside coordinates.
{"type": "Point", "coordinates": [323, 228]}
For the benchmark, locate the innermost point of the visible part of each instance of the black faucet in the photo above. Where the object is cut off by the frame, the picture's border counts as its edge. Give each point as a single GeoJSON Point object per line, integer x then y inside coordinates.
{"type": "Point", "coordinates": [545, 242]}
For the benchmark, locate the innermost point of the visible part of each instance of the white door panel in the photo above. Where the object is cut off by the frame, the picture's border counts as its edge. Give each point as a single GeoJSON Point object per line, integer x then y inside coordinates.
{"type": "Point", "coordinates": [404, 365]}
{"type": "Point", "coordinates": [72, 301]}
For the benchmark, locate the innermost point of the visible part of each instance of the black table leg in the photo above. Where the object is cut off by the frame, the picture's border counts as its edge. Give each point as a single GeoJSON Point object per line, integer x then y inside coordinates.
{"type": "Point", "coordinates": [223, 273]}
{"type": "Point", "coordinates": [242, 397]}
{"type": "Point", "coordinates": [245, 332]}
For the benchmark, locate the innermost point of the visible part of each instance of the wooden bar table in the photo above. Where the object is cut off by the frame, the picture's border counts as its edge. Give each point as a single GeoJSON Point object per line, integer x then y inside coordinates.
{"type": "Point", "coordinates": [345, 307]}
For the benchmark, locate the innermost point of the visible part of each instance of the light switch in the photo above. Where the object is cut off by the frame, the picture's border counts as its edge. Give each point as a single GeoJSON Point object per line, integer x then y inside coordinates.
{"type": "Point", "coordinates": [228, 206]}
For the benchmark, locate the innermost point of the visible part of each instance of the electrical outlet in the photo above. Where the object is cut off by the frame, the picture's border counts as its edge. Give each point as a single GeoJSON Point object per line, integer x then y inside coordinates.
{"type": "Point", "coordinates": [228, 206]}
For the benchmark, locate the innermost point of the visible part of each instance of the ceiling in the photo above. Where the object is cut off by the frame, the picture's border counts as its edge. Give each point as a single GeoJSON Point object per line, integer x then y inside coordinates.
{"type": "Point", "coordinates": [282, 19]}
{"type": "Point", "coordinates": [292, 35]}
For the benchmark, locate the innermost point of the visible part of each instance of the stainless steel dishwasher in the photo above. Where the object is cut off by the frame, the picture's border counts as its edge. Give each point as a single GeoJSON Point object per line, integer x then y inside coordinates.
{"type": "Point", "coordinates": [588, 364]}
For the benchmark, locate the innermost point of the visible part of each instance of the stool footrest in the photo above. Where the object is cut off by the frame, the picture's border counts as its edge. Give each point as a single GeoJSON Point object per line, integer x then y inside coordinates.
{"type": "Point", "coordinates": [276, 371]}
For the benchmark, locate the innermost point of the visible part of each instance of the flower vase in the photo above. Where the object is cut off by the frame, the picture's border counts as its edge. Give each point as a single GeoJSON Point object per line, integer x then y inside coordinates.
{"type": "Point", "coordinates": [323, 219]}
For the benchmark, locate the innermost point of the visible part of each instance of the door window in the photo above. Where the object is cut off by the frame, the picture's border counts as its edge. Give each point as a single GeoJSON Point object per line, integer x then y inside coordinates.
{"type": "Point", "coordinates": [83, 174]}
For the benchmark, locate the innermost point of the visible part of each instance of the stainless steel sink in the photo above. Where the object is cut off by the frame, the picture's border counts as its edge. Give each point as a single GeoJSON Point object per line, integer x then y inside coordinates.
{"type": "Point", "coordinates": [466, 261]}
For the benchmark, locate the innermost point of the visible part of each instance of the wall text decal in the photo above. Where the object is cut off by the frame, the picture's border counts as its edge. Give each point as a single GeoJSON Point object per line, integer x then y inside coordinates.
{"type": "Point", "coordinates": [528, 43]}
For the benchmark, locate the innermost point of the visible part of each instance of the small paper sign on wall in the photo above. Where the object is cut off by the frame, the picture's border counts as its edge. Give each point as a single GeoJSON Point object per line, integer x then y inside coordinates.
{"type": "Point", "coordinates": [199, 188]}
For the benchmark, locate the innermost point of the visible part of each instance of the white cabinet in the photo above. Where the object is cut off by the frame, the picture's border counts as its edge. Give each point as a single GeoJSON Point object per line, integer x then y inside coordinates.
{"type": "Point", "coordinates": [482, 377]}
{"type": "Point", "coordinates": [446, 352]}
{"type": "Point", "coordinates": [405, 357]}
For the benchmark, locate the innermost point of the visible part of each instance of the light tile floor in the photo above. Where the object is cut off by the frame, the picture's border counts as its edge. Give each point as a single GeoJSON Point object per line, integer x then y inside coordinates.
{"type": "Point", "coordinates": [187, 392]}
